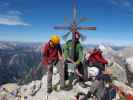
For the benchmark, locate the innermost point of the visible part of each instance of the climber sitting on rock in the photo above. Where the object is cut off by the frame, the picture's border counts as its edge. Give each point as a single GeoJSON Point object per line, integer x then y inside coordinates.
{"type": "Point", "coordinates": [96, 59]}
{"type": "Point", "coordinates": [102, 88]}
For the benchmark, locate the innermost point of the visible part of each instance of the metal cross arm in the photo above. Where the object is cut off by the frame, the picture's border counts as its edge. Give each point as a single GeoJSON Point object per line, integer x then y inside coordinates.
{"type": "Point", "coordinates": [62, 28]}
{"type": "Point", "coordinates": [87, 28]}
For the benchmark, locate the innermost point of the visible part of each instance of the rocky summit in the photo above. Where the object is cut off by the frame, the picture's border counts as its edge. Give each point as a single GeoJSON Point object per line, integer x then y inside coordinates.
{"type": "Point", "coordinates": [119, 63]}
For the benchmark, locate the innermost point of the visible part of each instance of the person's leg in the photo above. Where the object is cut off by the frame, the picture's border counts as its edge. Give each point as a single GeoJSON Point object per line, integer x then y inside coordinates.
{"type": "Point", "coordinates": [97, 88]}
{"type": "Point", "coordinates": [85, 67]}
{"type": "Point", "coordinates": [61, 72]}
{"type": "Point", "coordinates": [66, 70]}
{"type": "Point", "coordinates": [49, 78]}
{"type": "Point", "coordinates": [80, 69]}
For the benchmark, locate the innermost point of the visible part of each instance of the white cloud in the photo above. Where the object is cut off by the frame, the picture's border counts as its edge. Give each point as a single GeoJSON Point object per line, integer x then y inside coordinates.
{"type": "Point", "coordinates": [127, 4]}
{"type": "Point", "coordinates": [14, 12]}
{"type": "Point", "coordinates": [3, 4]}
{"type": "Point", "coordinates": [12, 20]}
{"type": "Point", "coordinates": [114, 2]}
{"type": "Point", "coordinates": [109, 41]}
{"type": "Point", "coordinates": [124, 4]}
{"type": "Point", "coordinates": [10, 16]}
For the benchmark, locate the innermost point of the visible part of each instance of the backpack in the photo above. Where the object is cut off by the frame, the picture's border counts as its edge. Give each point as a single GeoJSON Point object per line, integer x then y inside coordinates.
{"type": "Point", "coordinates": [129, 97]}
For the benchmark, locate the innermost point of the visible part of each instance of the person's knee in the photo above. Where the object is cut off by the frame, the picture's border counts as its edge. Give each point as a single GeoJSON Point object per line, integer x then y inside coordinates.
{"type": "Point", "coordinates": [61, 62]}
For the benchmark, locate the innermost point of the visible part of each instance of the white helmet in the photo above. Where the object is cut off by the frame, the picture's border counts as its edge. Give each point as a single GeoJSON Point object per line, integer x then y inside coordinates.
{"type": "Point", "coordinates": [93, 71]}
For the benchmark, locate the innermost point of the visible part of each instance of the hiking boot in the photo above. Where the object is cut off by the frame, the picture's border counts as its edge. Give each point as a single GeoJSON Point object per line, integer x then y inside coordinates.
{"type": "Point", "coordinates": [82, 85]}
{"type": "Point", "coordinates": [89, 94]}
{"type": "Point", "coordinates": [49, 90]}
{"type": "Point", "coordinates": [67, 82]}
{"type": "Point", "coordinates": [66, 88]}
{"type": "Point", "coordinates": [75, 82]}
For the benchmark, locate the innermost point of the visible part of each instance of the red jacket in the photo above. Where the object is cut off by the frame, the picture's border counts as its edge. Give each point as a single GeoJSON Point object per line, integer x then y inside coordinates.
{"type": "Point", "coordinates": [96, 56]}
{"type": "Point", "coordinates": [50, 54]}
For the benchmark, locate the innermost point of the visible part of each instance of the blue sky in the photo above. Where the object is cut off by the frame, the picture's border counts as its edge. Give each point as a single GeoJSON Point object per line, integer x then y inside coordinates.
{"type": "Point", "coordinates": [33, 20]}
